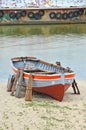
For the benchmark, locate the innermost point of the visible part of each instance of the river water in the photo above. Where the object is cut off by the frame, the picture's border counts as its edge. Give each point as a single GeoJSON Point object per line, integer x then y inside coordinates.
{"type": "Point", "coordinates": [64, 43]}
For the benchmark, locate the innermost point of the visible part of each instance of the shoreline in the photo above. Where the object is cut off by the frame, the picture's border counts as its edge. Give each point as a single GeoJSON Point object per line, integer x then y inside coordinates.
{"type": "Point", "coordinates": [43, 113]}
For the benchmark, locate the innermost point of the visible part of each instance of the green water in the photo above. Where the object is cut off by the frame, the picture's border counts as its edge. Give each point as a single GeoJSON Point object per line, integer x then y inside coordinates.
{"type": "Point", "coordinates": [43, 29]}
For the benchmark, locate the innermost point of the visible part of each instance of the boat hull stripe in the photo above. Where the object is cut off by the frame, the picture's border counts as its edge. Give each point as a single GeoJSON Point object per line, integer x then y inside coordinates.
{"type": "Point", "coordinates": [68, 76]}
{"type": "Point", "coordinates": [39, 77]}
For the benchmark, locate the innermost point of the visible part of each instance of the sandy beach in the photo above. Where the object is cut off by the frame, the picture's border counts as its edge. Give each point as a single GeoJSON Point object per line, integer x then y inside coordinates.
{"type": "Point", "coordinates": [43, 113]}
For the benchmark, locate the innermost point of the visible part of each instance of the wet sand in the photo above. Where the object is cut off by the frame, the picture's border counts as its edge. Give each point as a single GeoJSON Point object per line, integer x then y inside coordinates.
{"type": "Point", "coordinates": [43, 113]}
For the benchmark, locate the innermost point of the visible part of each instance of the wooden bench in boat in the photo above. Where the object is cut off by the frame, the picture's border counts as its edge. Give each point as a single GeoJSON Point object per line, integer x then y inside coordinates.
{"type": "Point", "coordinates": [39, 71]}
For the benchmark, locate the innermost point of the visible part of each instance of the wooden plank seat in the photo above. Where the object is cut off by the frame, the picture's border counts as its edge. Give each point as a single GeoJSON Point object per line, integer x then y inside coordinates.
{"type": "Point", "coordinates": [39, 71]}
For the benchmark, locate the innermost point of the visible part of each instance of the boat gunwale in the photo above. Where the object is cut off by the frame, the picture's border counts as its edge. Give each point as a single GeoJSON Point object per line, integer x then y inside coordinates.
{"type": "Point", "coordinates": [42, 61]}
{"type": "Point", "coordinates": [58, 75]}
{"type": "Point", "coordinates": [38, 76]}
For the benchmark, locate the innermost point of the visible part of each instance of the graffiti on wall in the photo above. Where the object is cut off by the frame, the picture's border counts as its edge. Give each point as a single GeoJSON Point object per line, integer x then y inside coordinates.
{"type": "Point", "coordinates": [41, 3]}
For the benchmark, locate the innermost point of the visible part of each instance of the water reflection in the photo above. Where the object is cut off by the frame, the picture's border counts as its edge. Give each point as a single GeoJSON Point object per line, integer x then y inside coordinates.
{"type": "Point", "coordinates": [65, 43]}
{"type": "Point", "coordinates": [43, 30]}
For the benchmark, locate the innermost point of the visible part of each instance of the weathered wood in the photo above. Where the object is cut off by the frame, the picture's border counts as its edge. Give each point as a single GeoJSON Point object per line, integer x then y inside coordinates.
{"type": "Point", "coordinates": [34, 69]}
{"type": "Point", "coordinates": [14, 84]}
{"type": "Point", "coordinates": [10, 83]}
{"type": "Point", "coordinates": [58, 63]}
{"type": "Point", "coordinates": [28, 94]}
{"type": "Point", "coordinates": [39, 71]}
{"type": "Point", "coordinates": [75, 87]}
{"type": "Point", "coordinates": [20, 80]}
{"type": "Point", "coordinates": [47, 72]}
{"type": "Point", "coordinates": [78, 92]}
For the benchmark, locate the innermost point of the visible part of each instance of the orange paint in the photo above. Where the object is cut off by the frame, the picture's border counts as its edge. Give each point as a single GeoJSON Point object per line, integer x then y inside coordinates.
{"type": "Point", "coordinates": [39, 77]}
{"type": "Point", "coordinates": [69, 76]}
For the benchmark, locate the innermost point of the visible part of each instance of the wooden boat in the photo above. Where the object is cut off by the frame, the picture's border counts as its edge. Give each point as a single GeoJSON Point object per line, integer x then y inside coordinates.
{"type": "Point", "coordinates": [50, 79]}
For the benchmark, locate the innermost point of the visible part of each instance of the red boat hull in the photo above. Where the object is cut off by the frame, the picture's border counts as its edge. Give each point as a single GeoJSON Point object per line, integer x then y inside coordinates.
{"type": "Point", "coordinates": [55, 91]}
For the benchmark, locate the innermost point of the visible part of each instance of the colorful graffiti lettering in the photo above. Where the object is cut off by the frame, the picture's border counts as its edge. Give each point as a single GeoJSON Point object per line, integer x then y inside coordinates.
{"type": "Point", "coordinates": [44, 3]}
